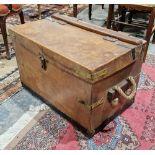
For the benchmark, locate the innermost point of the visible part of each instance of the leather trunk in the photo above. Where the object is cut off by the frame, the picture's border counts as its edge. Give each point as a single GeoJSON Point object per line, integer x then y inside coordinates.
{"type": "Point", "coordinates": [87, 72]}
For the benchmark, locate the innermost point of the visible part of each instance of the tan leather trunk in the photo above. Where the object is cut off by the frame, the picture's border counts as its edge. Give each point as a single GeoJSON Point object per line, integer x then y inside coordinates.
{"type": "Point", "coordinates": [87, 72]}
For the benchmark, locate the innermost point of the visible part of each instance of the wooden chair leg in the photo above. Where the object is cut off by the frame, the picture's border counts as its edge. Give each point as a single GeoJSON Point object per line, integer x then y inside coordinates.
{"type": "Point", "coordinates": [110, 15]}
{"type": "Point", "coordinates": [74, 10]}
{"type": "Point", "coordinates": [122, 19]}
{"type": "Point", "coordinates": [153, 40]}
{"type": "Point", "coordinates": [4, 34]}
{"type": "Point", "coordinates": [149, 31]}
{"type": "Point", "coordinates": [39, 10]}
{"type": "Point", "coordinates": [90, 11]}
{"type": "Point", "coordinates": [130, 17]}
{"type": "Point", "coordinates": [153, 33]}
{"type": "Point", "coordinates": [21, 15]}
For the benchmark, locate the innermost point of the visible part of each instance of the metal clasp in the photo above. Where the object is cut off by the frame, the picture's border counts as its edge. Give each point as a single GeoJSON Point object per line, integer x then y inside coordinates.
{"type": "Point", "coordinates": [43, 62]}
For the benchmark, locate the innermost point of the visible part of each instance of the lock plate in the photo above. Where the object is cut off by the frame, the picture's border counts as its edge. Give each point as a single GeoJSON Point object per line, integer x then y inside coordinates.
{"type": "Point", "coordinates": [43, 62]}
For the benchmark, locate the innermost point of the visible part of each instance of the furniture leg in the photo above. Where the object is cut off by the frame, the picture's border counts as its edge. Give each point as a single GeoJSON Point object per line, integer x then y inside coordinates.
{"type": "Point", "coordinates": [90, 11]}
{"type": "Point", "coordinates": [122, 19]}
{"type": "Point", "coordinates": [21, 15]}
{"type": "Point", "coordinates": [74, 10]}
{"type": "Point", "coordinates": [110, 15]}
{"type": "Point", "coordinates": [153, 40]}
{"type": "Point", "coordinates": [39, 10]}
{"type": "Point", "coordinates": [4, 34]}
{"type": "Point", "coordinates": [130, 17]}
{"type": "Point", "coordinates": [149, 31]}
{"type": "Point", "coordinates": [102, 6]}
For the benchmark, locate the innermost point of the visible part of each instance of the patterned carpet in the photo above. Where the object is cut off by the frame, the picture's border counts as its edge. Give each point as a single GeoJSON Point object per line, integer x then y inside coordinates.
{"type": "Point", "coordinates": [43, 128]}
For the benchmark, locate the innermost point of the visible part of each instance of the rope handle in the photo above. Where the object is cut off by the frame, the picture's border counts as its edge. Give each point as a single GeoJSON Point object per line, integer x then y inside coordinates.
{"type": "Point", "coordinates": [127, 96]}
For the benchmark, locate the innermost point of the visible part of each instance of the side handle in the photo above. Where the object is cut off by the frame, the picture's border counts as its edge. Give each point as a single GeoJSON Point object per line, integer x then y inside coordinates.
{"type": "Point", "coordinates": [126, 89]}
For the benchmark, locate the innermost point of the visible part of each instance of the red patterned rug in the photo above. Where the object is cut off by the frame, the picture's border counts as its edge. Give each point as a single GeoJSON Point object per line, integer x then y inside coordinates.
{"type": "Point", "coordinates": [134, 129]}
